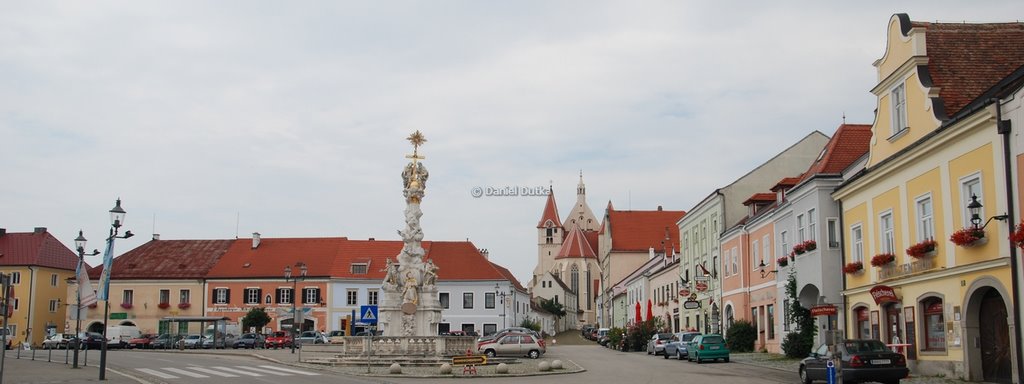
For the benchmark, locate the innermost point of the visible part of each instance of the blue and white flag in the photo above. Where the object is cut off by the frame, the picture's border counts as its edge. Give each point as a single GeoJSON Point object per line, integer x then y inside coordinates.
{"type": "Point", "coordinates": [108, 259]}
{"type": "Point", "coordinates": [86, 295]}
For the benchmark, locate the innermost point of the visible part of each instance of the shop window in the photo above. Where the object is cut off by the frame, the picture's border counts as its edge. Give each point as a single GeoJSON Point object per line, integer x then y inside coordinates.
{"type": "Point", "coordinates": [934, 325]}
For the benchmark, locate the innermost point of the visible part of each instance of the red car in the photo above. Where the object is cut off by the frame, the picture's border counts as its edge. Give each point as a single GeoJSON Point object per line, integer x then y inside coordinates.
{"type": "Point", "coordinates": [142, 342]}
{"type": "Point", "coordinates": [279, 339]}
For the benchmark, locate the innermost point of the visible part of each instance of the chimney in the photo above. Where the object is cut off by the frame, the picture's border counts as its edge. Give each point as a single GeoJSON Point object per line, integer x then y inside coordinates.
{"type": "Point", "coordinates": [39, 230]}
{"type": "Point", "coordinates": [156, 236]}
{"type": "Point", "coordinates": [372, 239]}
{"type": "Point", "coordinates": [487, 254]}
{"type": "Point", "coordinates": [659, 208]}
{"type": "Point", "coordinates": [3, 231]}
{"type": "Point", "coordinates": [255, 240]}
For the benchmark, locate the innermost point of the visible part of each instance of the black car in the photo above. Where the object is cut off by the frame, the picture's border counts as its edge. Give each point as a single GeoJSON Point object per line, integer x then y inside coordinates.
{"type": "Point", "coordinates": [862, 361]}
{"type": "Point", "coordinates": [92, 340]}
{"type": "Point", "coordinates": [250, 341]}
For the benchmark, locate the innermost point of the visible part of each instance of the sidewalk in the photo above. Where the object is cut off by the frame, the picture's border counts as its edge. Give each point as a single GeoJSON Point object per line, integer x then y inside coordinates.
{"type": "Point", "coordinates": [25, 370]}
{"type": "Point", "coordinates": [781, 362]}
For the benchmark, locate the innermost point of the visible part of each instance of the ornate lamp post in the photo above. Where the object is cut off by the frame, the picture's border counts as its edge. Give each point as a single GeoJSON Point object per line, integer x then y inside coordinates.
{"type": "Point", "coordinates": [116, 220]}
{"type": "Point", "coordinates": [499, 293]}
{"type": "Point", "coordinates": [80, 246]}
{"type": "Point", "coordinates": [288, 277]}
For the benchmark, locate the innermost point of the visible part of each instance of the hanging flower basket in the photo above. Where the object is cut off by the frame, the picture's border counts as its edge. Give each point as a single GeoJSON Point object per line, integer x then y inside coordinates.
{"type": "Point", "coordinates": [923, 249]}
{"type": "Point", "coordinates": [799, 249]}
{"type": "Point", "coordinates": [163, 305]}
{"type": "Point", "coordinates": [184, 305]}
{"type": "Point", "coordinates": [968, 237]}
{"type": "Point", "coordinates": [882, 259]}
{"type": "Point", "coordinates": [810, 245]}
{"type": "Point", "coordinates": [854, 267]}
{"type": "Point", "coordinates": [1017, 236]}
{"type": "Point", "coordinates": [126, 305]}
{"type": "Point", "coordinates": [782, 261]}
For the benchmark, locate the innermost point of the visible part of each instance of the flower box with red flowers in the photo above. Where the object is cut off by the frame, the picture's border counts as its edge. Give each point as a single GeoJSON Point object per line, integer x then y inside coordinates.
{"type": "Point", "coordinates": [853, 267]}
{"type": "Point", "coordinates": [810, 245]}
{"type": "Point", "coordinates": [782, 261]}
{"type": "Point", "coordinates": [184, 305]}
{"type": "Point", "coordinates": [1017, 236]}
{"type": "Point", "coordinates": [882, 259]}
{"type": "Point", "coordinates": [922, 249]}
{"type": "Point", "coordinates": [967, 237]}
{"type": "Point", "coordinates": [163, 305]}
{"type": "Point", "coordinates": [126, 305]}
{"type": "Point", "coordinates": [799, 249]}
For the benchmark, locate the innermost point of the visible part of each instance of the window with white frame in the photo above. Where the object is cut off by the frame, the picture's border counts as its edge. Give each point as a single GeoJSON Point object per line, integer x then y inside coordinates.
{"type": "Point", "coordinates": [811, 226]}
{"type": "Point", "coordinates": [800, 235]}
{"type": "Point", "coordinates": [15, 278]}
{"type": "Point", "coordinates": [898, 99]}
{"type": "Point", "coordinates": [285, 295]}
{"type": "Point", "coordinates": [184, 296]}
{"type": "Point", "coordinates": [443, 297]}
{"type": "Point", "coordinates": [766, 256]}
{"type": "Point", "coordinates": [783, 243]}
{"type": "Point", "coordinates": [220, 296]}
{"type": "Point", "coordinates": [372, 297]}
{"type": "Point", "coordinates": [925, 221]}
{"type": "Point", "coordinates": [885, 232]}
{"type": "Point", "coordinates": [351, 297]}
{"type": "Point", "coordinates": [467, 300]}
{"type": "Point", "coordinates": [252, 295]}
{"type": "Point", "coordinates": [165, 296]}
{"type": "Point", "coordinates": [755, 258]}
{"type": "Point", "coordinates": [489, 300]}
{"type": "Point", "coordinates": [358, 269]}
{"type": "Point", "coordinates": [833, 232]}
{"type": "Point", "coordinates": [857, 243]}
{"type": "Point", "coordinates": [735, 260]}
{"type": "Point", "coordinates": [54, 304]}
{"type": "Point", "coordinates": [128, 297]}
{"type": "Point", "coordinates": [53, 279]}
{"type": "Point", "coordinates": [971, 186]}
{"type": "Point", "coordinates": [312, 295]}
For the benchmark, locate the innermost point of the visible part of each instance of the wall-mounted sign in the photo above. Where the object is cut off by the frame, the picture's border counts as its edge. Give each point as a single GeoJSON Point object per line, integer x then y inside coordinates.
{"type": "Point", "coordinates": [691, 304]}
{"type": "Point", "coordinates": [884, 294]}
{"type": "Point", "coordinates": [684, 292]}
{"type": "Point", "coordinates": [702, 286]}
{"type": "Point", "coordinates": [824, 310]}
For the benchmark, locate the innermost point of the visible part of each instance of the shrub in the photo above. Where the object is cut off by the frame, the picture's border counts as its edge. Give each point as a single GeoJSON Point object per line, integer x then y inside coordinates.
{"type": "Point", "coordinates": [797, 346]}
{"type": "Point", "coordinates": [615, 337]}
{"type": "Point", "coordinates": [741, 336]}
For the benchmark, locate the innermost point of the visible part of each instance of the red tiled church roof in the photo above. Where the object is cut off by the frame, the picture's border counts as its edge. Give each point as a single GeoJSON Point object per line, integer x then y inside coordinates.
{"type": "Point", "coordinates": [576, 245]}
{"type": "Point", "coordinates": [965, 60]}
{"type": "Point", "coordinates": [641, 230]}
{"type": "Point", "coordinates": [36, 248]}
{"type": "Point", "coordinates": [849, 143]}
{"type": "Point", "coordinates": [168, 259]}
{"type": "Point", "coordinates": [550, 212]}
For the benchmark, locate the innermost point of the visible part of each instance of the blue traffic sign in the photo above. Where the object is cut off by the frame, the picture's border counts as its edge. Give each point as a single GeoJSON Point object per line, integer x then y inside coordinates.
{"type": "Point", "coordinates": [368, 314]}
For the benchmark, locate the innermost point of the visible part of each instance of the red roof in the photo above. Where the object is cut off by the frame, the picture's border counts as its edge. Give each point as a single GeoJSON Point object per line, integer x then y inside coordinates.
{"type": "Point", "coordinates": [550, 212]}
{"type": "Point", "coordinates": [849, 143]}
{"type": "Point", "coordinates": [508, 276]}
{"type": "Point", "coordinates": [372, 252]}
{"type": "Point", "coordinates": [273, 254]}
{"type": "Point", "coordinates": [461, 260]}
{"type": "Point", "coordinates": [965, 60]}
{"type": "Point", "coordinates": [36, 248]}
{"type": "Point", "coordinates": [786, 183]}
{"type": "Point", "coordinates": [576, 245]}
{"type": "Point", "coordinates": [642, 230]}
{"type": "Point", "coordinates": [167, 259]}
{"type": "Point", "coordinates": [760, 198]}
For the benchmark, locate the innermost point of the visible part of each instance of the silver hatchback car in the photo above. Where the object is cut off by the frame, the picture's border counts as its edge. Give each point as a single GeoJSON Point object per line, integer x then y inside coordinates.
{"type": "Point", "coordinates": [513, 344]}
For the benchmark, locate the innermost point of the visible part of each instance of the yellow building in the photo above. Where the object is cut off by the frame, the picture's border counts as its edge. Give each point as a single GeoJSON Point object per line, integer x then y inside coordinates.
{"type": "Point", "coordinates": [38, 266]}
{"type": "Point", "coordinates": [935, 146]}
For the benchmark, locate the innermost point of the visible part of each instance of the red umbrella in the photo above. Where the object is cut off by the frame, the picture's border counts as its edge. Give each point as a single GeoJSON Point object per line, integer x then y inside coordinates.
{"type": "Point", "coordinates": [650, 311]}
{"type": "Point", "coordinates": [638, 318]}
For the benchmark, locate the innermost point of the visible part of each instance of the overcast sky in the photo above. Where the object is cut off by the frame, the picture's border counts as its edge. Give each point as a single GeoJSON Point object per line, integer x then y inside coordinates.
{"type": "Point", "coordinates": [217, 119]}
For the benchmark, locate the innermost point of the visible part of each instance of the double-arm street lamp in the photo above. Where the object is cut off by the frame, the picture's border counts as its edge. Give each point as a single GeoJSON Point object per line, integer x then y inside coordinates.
{"type": "Point", "coordinates": [80, 247]}
{"type": "Point", "coordinates": [498, 292]}
{"type": "Point", "coordinates": [116, 220]}
{"type": "Point", "coordinates": [295, 296]}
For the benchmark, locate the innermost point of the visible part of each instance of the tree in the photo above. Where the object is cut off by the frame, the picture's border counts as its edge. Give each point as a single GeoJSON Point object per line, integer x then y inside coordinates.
{"type": "Point", "coordinates": [530, 323]}
{"type": "Point", "coordinates": [554, 308]}
{"type": "Point", "coordinates": [257, 317]}
{"type": "Point", "coordinates": [799, 343]}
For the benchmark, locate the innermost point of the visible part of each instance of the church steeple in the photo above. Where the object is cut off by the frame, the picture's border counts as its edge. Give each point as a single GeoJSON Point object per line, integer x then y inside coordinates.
{"type": "Point", "coordinates": [581, 214]}
{"type": "Point", "coordinates": [581, 189]}
{"type": "Point", "coordinates": [550, 212]}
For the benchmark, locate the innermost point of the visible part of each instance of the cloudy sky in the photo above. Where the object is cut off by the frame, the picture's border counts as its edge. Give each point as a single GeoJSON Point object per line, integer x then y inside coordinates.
{"type": "Point", "coordinates": [213, 120]}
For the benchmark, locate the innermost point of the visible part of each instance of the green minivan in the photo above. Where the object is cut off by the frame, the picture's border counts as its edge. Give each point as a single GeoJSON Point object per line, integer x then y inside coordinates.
{"type": "Point", "coordinates": [708, 347]}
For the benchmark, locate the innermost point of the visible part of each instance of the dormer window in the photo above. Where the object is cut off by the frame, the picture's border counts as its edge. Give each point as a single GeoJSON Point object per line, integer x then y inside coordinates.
{"type": "Point", "coordinates": [359, 269]}
{"type": "Point", "coordinates": [898, 100]}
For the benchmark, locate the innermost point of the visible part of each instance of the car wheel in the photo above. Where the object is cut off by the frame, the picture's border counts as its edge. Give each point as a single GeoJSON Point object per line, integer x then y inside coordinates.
{"type": "Point", "coordinates": [803, 376]}
{"type": "Point", "coordinates": [726, 359]}
{"type": "Point", "coordinates": [665, 355]}
{"type": "Point", "coordinates": [534, 354]}
{"type": "Point", "coordinates": [490, 353]}
{"type": "Point", "coordinates": [679, 355]}
{"type": "Point", "coordinates": [699, 361]}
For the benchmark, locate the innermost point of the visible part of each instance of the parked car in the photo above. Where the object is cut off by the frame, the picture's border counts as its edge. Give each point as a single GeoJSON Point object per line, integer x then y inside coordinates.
{"type": "Point", "coordinates": [587, 332]}
{"type": "Point", "coordinates": [656, 345]}
{"type": "Point", "coordinates": [513, 344]}
{"type": "Point", "coordinates": [506, 331]}
{"type": "Point", "coordinates": [57, 341]}
{"type": "Point", "coordinates": [164, 341]}
{"type": "Point", "coordinates": [707, 347]}
{"type": "Point", "coordinates": [142, 342]}
{"type": "Point", "coordinates": [279, 339]}
{"type": "Point", "coordinates": [678, 346]}
{"type": "Point", "coordinates": [193, 341]}
{"type": "Point", "coordinates": [92, 340]}
{"type": "Point", "coordinates": [250, 341]}
{"type": "Point", "coordinates": [336, 337]}
{"type": "Point", "coordinates": [862, 360]}
{"type": "Point", "coordinates": [311, 337]}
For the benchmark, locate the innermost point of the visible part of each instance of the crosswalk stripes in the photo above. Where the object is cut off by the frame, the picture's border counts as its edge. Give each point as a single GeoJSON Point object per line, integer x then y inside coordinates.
{"type": "Point", "coordinates": [196, 372]}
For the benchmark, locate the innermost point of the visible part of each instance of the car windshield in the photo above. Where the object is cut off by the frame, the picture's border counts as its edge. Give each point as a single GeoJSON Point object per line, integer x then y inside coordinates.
{"type": "Point", "coordinates": [863, 346]}
{"type": "Point", "coordinates": [664, 336]}
{"type": "Point", "coordinates": [712, 340]}
{"type": "Point", "coordinates": [689, 336]}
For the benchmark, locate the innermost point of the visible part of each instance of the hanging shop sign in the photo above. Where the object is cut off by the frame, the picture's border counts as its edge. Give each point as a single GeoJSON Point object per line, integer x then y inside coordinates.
{"type": "Point", "coordinates": [884, 294]}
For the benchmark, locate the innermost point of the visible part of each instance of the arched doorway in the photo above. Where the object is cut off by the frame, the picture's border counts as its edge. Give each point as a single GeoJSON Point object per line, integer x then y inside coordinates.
{"type": "Point", "coordinates": [96, 327]}
{"type": "Point", "coordinates": [987, 333]}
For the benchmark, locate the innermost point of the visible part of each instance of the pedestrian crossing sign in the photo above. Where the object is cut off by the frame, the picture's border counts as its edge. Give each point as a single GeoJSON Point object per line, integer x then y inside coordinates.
{"type": "Point", "coordinates": [368, 314]}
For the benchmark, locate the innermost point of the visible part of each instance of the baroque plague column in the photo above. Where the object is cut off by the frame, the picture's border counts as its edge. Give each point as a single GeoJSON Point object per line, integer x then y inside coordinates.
{"type": "Point", "coordinates": [410, 306]}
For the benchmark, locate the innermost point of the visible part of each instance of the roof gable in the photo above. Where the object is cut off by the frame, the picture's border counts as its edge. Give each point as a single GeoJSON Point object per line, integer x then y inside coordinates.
{"type": "Point", "coordinates": [550, 212]}
{"type": "Point", "coordinates": [634, 231]}
{"type": "Point", "coordinates": [576, 245]}
{"type": "Point", "coordinates": [36, 248]}
{"type": "Point", "coordinates": [849, 143]}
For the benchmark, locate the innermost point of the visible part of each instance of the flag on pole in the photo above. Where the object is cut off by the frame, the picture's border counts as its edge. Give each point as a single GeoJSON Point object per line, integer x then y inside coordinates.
{"type": "Point", "coordinates": [108, 259]}
{"type": "Point", "coordinates": [87, 295]}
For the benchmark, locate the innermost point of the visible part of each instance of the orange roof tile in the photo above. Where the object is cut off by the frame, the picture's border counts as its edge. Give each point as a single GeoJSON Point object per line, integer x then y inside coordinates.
{"type": "Point", "coordinates": [168, 259]}
{"type": "Point", "coordinates": [641, 230]}
{"type": "Point", "coordinates": [849, 143]}
{"type": "Point", "coordinates": [785, 183]}
{"type": "Point", "coordinates": [576, 245]}
{"type": "Point", "coordinates": [273, 254]}
{"type": "Point", "coordinates": [461, 260]}
{"type": "Point", "coordinates": [373, 252]}
{"type": "Point", "coordinates": [509, 276]}
{"type": "Point", "coordinates": [36, 248]}
{"type": "Point", "coordinates": [965, 60]}
{"type": "Point", "coordinates": [760, 198]}
{"type": "Point", "coordinates": [550, 212]}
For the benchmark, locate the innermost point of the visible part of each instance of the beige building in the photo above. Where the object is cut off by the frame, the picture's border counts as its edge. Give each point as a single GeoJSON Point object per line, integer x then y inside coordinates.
{"type": "Point", "coordinates": [38, 266]}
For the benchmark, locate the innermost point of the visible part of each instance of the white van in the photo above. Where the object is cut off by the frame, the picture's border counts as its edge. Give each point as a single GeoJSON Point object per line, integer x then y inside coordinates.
{"type": "Point", "coordinates": [118, 336]}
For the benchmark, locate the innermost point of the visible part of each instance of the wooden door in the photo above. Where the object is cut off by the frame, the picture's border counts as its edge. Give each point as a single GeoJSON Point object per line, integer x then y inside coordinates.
{"type": "Point", "coordinates": [995, 338]}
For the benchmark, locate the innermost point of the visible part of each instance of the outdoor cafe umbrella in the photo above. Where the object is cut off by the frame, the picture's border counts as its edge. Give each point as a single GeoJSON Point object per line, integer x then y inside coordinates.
{"type": "Point", "coordinates": [650, 310]}
{"type": "Point", "coordinates": [638, 318]}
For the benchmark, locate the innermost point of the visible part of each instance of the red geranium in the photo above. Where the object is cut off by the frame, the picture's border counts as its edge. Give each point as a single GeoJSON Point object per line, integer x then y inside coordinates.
{"type": "Point", "coordinates": [920, 249]}
{"type": "Point", "coordinates": [799, 249]}
{"type": "Point", "coordinates": [967, 236]}
{"type": "Point", "coordinates": [184, 305]}
{"type": "Point", "coordinates": [126, 305]}
{"type": "Point", "coordinates": [1017, 236]}
{"type": "Point", "coordinates": [782, 261]}
{"type": "Point", "coordinates": [164, 305]}
{"type": "Point", "coordinates": [882, 259]}
{"type": "Point", "coordinates": [853, 267]}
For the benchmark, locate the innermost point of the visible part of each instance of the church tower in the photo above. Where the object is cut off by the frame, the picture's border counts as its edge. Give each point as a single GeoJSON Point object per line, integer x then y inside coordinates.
{"type": "Point", "coordinates": [581, 214]}
{"type": "Point", "coordinates": [550, 233]}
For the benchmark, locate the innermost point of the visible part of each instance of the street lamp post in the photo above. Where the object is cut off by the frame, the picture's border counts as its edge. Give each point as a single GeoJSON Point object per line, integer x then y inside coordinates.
{"type": "Point", "coordinates": [499, 292]}
{"type": "Point", "coordinates": [80, 246]}
{"type": "Point", "coordinates": [116, 219]}
{"type": "Point", "coordinates": [288, 277]}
